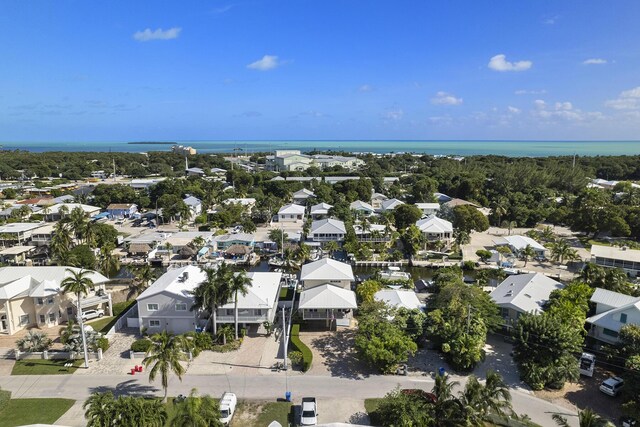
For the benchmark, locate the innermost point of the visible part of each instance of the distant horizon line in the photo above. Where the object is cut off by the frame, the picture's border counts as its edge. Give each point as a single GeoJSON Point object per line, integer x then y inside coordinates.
{"type": "Point", "coordinates": [322, 140]}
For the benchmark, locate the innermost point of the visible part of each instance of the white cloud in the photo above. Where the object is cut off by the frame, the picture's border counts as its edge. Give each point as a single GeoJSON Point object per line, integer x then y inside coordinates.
{"type": "Point", "coordinates": [628, 100]}
{"type": "Point", "coordinates": [365, 88]}
{"type": "Point", "coordinates": [444, 98]}
{"type": "Point", "coordinates": [393, 114]}
{"type": "Point", "coordinates": [268, 62]}
{"type": "Point", "coordinates": [513, 110]}
{"type": "Point", "coordinates": [551, 20]}
{"type": "Point", "coordinates": [563, 111]}
{"type": "Point", "coordinates": [594, 61]}
{"type": "Point", "coordinates": [159, 34]}
{"type": "Point", "coordinates": [500, 63]}
{"type": "Point", "coordinates": [530, 92]}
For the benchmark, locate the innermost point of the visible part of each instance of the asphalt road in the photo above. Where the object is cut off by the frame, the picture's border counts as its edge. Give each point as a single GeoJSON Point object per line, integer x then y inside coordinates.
{"type": "Point", "coordinates": [265, 387]}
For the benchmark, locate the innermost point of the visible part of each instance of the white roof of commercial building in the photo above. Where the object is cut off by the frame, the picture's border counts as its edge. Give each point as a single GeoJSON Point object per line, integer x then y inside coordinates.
{"type": "Point", "coordinates": [320, 209]}
{"type": "Point", "coordinates": [521, 242]}
{"type": "Point", "coordinates": [433, 224]}
{"type": "Point", "coordinates": [326, 269]}
{"type": "Point", "coordinates": [173, 282]}
{"type": "Point", "coordinates": [17, 280]}
{"type": "Point", "coordinates": [609, 320]}
{"type": "Point", "coordinates": [327, 297]}
{"type": "Point", "coordinates": [525, 292]}
{"type": "Point", "coordinates": [328, 226]}
{"type": "Point", "coordinates": [612, 299]}
{"type": "Point", "coordinates": [262, 293]}
{"type": "Point", "coordinates": [20, 227]}
{"type": "Point", "coordinates": [291, 209]}
{"type": "Point", "coordinates": [359, 205]}
{"type": "Point", "coordinates": [613, 252]}
{"type": "Point", "coordinates": [391, 204]}
{"type": "Point", "coordinates": [399, 298]}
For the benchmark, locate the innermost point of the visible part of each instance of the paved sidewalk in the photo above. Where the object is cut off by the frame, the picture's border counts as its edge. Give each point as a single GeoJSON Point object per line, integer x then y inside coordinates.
{"type": "Point", "coordinates": [74, 417]}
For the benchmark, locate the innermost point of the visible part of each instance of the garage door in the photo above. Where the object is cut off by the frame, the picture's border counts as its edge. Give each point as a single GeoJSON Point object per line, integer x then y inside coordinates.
{"type": "Point", "coordinates": [180, 326]}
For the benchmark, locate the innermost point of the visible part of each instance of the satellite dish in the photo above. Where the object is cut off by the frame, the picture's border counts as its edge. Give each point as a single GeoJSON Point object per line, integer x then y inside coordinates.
{"type": "Point", "coordinates": [275, 424]}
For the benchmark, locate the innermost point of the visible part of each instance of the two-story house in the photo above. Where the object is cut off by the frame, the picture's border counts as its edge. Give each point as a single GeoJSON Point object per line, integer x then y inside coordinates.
{"type": "Point", "coordinates": [523, 293]}
{"type": "Point", "coordinates": [362, 208]}
{"type": "Point", "coordinates": [320, 211]}
{"type": "Point", "coordinates": [122, 210]}
{"type": "Point", "coordinates": [613, 311]}
{"type": "Point", "coordinates": [614, 257]}
{"type": "Point", "coordinates": [327, 230]}
{"type": "Point", "coordinates": [291, 213]}
{"type": "Point", "coordinates": [302, 197]}
{"type": "Point", "coordinates": [435, 229]}
{"type": "Point", "coordinates": [327, 294]}
{"type": "Point", "coordinates": [32, 297]}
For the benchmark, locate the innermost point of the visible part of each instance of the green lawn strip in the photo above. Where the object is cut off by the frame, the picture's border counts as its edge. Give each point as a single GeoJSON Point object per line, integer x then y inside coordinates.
{"type": "Point", "coordinates": [44, 367]}
{"type": "Point", "coordinates": [261, 414]}
{"type": "Point", "coordinates": [103, 324]}
{"type": "Point", "coordinates": [20, 412]}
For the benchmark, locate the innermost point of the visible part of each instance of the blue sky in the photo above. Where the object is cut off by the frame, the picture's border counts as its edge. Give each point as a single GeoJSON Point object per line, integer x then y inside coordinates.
{"type": "Point", "coordinates": [302, 69]}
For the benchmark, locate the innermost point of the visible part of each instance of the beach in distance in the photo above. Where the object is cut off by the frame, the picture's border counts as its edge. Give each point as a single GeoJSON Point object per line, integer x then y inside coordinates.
{"type": "Point", "coordinates": [434, 147]}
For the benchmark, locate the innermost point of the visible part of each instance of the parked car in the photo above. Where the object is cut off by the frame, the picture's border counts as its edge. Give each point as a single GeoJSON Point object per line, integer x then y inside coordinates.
{"type": "Point", "coordinates": [309, 416]}
{"type": "Point", "coordinates": [92, 314]}
{"type": "Point", "coordinates": [612, 386]}
{"type": "Point", "coordinates": [227, 407]}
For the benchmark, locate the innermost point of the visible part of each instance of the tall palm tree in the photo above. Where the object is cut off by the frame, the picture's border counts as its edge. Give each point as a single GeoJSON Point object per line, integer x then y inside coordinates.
{"type": "Point", "coordinates": [303, 253]}
{"type": "Point", "coordinates": [90, 233]}
{"type": "Point", "coordinates": [99, 410]}
{"type": "Point", "coordinates": [108, 263]}
{"type": "Point", "coordinates": [196, 411]}
{"type": "Point", "coordinates": [78, 282]}
{"type": "Point", "coordinates": [61, 241]}
{"type": "Point", "coordinates": [77, 222]}
{"type": "Point", "coordinates": [289, 261]}
{"type": "Point", "coordinates": [141, 280]}
{"type": "Point", "coordinates": [238, 285]}
{"type": "Point", "coordinates": [586, 418]}
{"type": "Point", "coordinates": [561, 251]}
{"type": "Point", "coordinates": [526, 253]}
{"type": "Point", "coordinates": [165, 354]}
{"type": "Point", "coordinates": [139, 411]}
{"type": "Point", "coordinates": [499, 209]}
{"type": "Point", "coordinates": [332, 246]}
{"type": "Point", "coordinates": [211, 291]}
{"type": "Point", "coordinates": [448, 409]}
{"type": "Point", "coordinates": [481, 400]}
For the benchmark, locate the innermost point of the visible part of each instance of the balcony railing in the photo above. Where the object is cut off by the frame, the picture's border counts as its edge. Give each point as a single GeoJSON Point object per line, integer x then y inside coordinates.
{"type": "Point", "coordinates": [241, 319]}
{"type": "Point", "coordinates": [94, 300]}
{"type": "Point", "coordinates": [323, 315]}
{"type": "Point", "coordinates": [373, 239]}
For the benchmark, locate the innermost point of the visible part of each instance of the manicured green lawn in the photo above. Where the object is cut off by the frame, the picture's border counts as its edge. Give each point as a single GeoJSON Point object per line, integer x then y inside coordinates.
{"type": "Point", "coordinates": [43, 367]}
{"type": "Point", "coordinates": [103, 324]}
{"type": "Point", "coordinates": [260, 414]}
{"type": "Point", "coordinates": [20, 412]}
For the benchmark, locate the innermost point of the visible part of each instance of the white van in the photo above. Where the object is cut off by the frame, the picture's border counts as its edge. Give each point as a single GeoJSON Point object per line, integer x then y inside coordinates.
{"type": "Point", "coordinates": [227, 407]}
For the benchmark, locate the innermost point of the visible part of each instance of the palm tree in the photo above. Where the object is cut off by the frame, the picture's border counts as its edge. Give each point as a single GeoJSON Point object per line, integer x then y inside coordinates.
{"type": "Point", "coordinates": [61, 241]}
{"type": "Point", "coordinates": [331, 246]}
{"type": "Point", "coordinates": [447, 408]}
{"type": "Point", "coordinates": [526, 253]}
{"type": "Point", "coordinates": [303, 252]}
{"type": "Point", "coordinates": [289, 264]}
{"type": "Point", "coordinates": [139, 411]}
{"type": "Point", "coordinates": [79, 283]}
{"type": "Point", "coordinates": [77, 223]}
{"type": "Point", "coordinates": [63, 211]}
{"type": "Point", "coordinates": [496, 396]}
{"type": "Point", "coordinates": [198, 242]}
{"type": "Point", "coordinates": [561, 251]}
{"type": "Point", "coordinates": [238, 285]}
{"type": "Point", "coordinates": [108, 263]}
{"type": "Point", "coordinates": [212, 291]}
{"type": "Point", "coordinates": [99, 409]}
{"type": "Point", "coordinates": [586, 418]}
{"type": "Point", "coordinates": [141, 280]}
{"type": "Point", "coordinates": [196, 411]}
{"type": "Point", "coordinates": [90, 231]}
{"type": "Point", "coordinates": [165, 354]}
{"type": "Point", "coordinates": [499, 209]}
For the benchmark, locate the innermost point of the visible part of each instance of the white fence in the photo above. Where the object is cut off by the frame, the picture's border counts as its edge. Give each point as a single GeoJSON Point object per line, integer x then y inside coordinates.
{"type": "Point", "coordinates": [56, 355]}
{"type": "Point", "coordinates": [122, 321]}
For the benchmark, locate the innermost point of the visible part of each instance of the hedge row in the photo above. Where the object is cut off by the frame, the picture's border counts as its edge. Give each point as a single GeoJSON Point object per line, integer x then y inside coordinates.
{"type": "Point", "coordinates": [5, 397]}
{"type": "Point", "coordinates": [298, 345]}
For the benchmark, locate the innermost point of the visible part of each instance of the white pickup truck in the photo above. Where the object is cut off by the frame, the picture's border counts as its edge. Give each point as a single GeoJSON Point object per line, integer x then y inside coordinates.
{"type": "Point", "coordinates": [227, 407]}
{"type": "Point", "coordinates": [309, 416]}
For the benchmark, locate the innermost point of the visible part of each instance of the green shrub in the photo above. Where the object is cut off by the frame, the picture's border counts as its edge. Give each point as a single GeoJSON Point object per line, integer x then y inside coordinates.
{"type": "Point", "coordinates": [141, 345]}
{"type": "Point", "coordinates": [468, 266]}
{"type": "Point", "coordinates": [297, 345]}
{"type": "Point", "coordinates": [296, 357]}
{"type": "Point", "coordinates": [34, 341]}
{"type": "Point", "coordinates": [103, 343]}
{"type": "Point", "coordinates": [199, 341]}
{"type": "Point", "coordinates": [5, 397]}
{"type": "Point", "coordinates": [243, 332]}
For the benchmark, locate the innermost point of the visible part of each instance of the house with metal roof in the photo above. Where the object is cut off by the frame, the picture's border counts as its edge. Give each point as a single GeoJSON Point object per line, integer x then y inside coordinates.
{"type": "Point", "coordinates": [523, 293]}
{"type": "Point", "coordinates": [428, 208]}
{"type": "Point", "coordinates": [613, 311]}
{"type": "Point", "coordinates": [301, 197]}
{"type": "Point", "coordinates": [362, 208]}
{"type": "Point", "coordinates": [32, 297]}
{"type": "Point", "coordinates": [399, 298]}
{"type": "Point", "coordinates": [291, 213]}
{"type": "Point", "coordinates": [435, 229]}
{"type": "Point", "coordinates": [389, 205]}
{"type": "Point", "coordinates": [518, 243]}
{"type": "Point", "coordinates": [320, 211]}
{"type": "Point", "coordinates": [122, 210]}
{"type": "Point", "coordinates": [615, 257]}
{"type": "Point", "coordinates": [327, 230]}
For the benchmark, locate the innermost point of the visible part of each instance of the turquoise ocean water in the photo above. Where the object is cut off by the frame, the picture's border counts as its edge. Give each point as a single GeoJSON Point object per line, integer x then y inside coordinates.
{"type": "Point", "coordinates": [462, 148]}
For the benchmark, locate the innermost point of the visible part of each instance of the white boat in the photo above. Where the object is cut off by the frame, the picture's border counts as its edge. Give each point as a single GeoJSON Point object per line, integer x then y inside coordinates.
{"type": "Point", "coordinates": [394, 273]}
{"type": "Point", "coordinates": [275, 261]}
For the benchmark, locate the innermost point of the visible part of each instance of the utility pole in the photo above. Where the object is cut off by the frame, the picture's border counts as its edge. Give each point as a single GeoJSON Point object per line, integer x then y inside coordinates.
{"type": "Point", "coordinates": [284, 337]}
{"type": "Point", "coordinates": [114, 170]}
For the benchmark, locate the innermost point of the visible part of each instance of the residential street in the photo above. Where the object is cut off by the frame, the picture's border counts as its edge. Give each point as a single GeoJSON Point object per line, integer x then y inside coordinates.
{"type": "Point", "coordinates": [252, 387]}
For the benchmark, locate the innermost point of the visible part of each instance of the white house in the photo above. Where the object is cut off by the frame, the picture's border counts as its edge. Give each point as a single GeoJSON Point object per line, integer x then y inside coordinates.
{"type": "Point", "coordinates": [390, 204]}
{"type": "Point", "coordinates": [122, 210]}
{"type": "Point", "coordinates": [518, 243]}
{"type": "Point", "coordinates": [428, 208]}
{"type": "Point", "coordinates": [436, 229]}
{"type": "Point", "coordinates": [320, 210]}
{"type": "Point", "coordinates": [523, 293]}
{"type": "Point", "coordinates": [327, 230]}
{"type": "Point", "coordinates": [57, 211]}
{"type": "Point", "coordinates": [291, 213]}
{"type": "Point", "coordinates": [301, 197]}
{"type": "Point", "coordinates": [362, 208]}
{"type": "Point", "coordinates": [614, 257]}
{"type": "Point", "coordinates": [399, 298]}
{"type": "Point", "coordinates": [377, 199]}
{"type": "Point", "coordinates": [18, 232]}
{"type": "Point", "coordinates": [613, 311]}
{"type": "Point", "coordinates": [195, 206]}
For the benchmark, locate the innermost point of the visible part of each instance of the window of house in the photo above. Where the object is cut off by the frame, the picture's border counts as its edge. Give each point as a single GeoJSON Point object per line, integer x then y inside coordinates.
{"type": "Point", "coordinates": [257, 312]}
{"type": "Point", "coordinates": [623, 317]}
{"type": "Point", "coordinates": [69, 311]}
{"type": "Point", "coordinates": [152, 307]}
{"type": "Point", "coordinates": [154, 323]}
{"type": "Point", "coordinates": [40, 301]}
{"type": "Point", "coordinates": [610, 333]}
{"type": "Point", "coordinates": [50, 300]}
{"type": "Point", "coordinates": [42, 319]}
{"type": "Point", "coordinates": [229, 312]}
{"type": "Point", "coordinates": [23, 320]}
{"type": "Point", "coordinates": [504, 312]}
{"type": "Point", "coordinates": [52, 317]}
{"type": "Point", "coordinates": [181, 306]}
